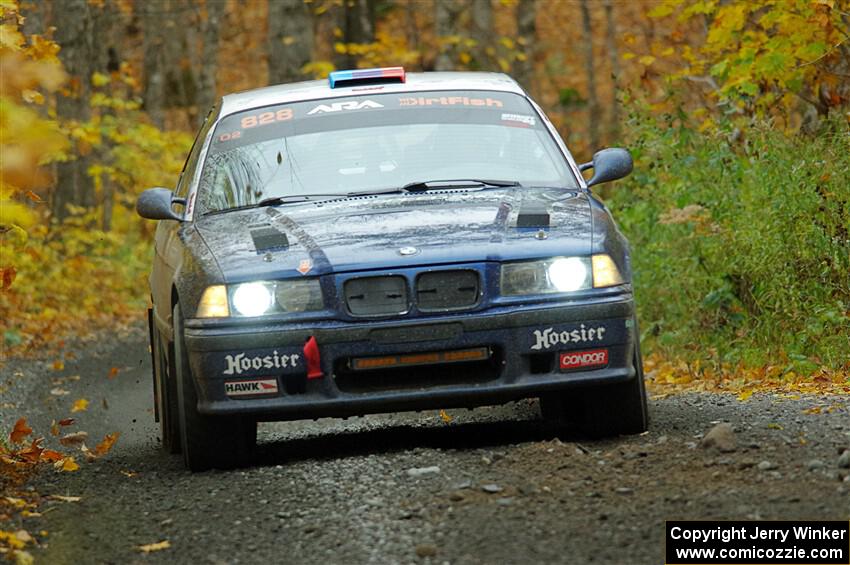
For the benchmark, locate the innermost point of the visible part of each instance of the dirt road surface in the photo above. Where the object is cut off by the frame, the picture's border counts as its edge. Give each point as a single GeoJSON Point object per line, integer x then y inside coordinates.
{"type": "Point", "coordinates": [493, 485]}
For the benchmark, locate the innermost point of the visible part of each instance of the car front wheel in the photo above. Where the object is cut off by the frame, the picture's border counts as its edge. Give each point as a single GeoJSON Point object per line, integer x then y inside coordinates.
{"type": "Point", "coordinates": [220, 442]}
{"type": "Point", "coordinates": [166, 393]}
{"type": "Point", "coordinates": [601, 411]}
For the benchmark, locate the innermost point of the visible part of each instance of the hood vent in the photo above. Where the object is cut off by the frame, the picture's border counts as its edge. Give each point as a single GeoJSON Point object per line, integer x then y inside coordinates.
{"type": "Point", "coordinates": [532, 215]}
{"type": "Point", "coordinates": [267, 238]}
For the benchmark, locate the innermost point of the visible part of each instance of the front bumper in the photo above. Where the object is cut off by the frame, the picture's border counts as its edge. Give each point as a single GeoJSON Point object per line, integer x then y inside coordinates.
{"type": "Point", "coordinates": [524, 341]}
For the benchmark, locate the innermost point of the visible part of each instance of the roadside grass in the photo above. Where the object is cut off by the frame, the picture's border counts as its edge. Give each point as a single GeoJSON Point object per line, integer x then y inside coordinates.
{"type": "Point", "coordinates": [741, 251]}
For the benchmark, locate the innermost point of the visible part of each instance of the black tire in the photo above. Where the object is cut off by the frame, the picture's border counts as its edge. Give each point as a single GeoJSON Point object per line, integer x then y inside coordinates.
{"type": "Point", "coordinates": [602, 411]}
{"type": "Point", "coordinates": [165, 390]}
{"type": "Point", "coordinates": [221, 442]}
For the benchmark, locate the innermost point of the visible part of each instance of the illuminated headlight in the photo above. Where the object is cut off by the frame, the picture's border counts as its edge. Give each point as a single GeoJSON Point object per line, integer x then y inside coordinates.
{"type": "Point", "coordinates": [261, 298]}
{"type": "Point", "coordinates": [560, 274]}
{"type": "Point", "coordinates": [252, 299]}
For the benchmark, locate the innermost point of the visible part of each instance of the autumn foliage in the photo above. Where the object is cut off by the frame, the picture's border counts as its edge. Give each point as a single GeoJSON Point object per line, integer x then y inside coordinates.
{"type": "Point", "coordinates": [710, 96]}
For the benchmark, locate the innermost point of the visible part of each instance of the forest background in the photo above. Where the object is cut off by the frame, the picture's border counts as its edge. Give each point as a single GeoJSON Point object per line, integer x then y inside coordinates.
{"type": "Point", "coordinates": [737, 114]}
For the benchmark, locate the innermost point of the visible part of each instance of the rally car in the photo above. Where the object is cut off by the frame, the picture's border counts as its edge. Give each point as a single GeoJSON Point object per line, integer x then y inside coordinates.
{"type": "Point", "coordinates": [386, 241]}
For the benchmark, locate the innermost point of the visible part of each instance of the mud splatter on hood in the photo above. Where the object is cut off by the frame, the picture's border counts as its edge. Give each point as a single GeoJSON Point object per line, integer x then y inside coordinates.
{"type": "Point", "coordinates": [362, 233]}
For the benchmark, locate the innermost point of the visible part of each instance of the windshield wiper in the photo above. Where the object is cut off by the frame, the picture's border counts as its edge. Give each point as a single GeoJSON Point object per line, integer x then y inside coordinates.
{"type": "Point", "coordinates": [423, 186]}
{"type": "Point", "coordinates": [290, 198]}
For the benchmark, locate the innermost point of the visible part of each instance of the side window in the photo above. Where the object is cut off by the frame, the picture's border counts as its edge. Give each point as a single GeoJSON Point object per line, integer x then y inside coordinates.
{"type": "Point", "coordinates": [191, 163]}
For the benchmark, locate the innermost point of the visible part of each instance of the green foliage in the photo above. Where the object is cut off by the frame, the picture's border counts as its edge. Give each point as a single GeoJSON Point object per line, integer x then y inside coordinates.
{"type": "Point", "coordinates": [764, 56]}
{"type": "Point", "coordinates": [741, 243]}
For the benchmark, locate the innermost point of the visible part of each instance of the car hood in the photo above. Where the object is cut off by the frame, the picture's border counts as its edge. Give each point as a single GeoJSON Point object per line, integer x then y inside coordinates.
{"type": "Point", "coordinates": [395, 231]}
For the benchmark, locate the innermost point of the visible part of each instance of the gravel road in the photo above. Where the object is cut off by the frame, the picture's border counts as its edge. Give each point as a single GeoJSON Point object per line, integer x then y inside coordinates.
{"type": "Point", "coordinates": [493, 485]}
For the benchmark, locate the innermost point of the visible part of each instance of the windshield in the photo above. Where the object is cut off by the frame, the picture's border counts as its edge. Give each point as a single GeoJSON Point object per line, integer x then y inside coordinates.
{"type": "Point", "coordinates": [377, 142]}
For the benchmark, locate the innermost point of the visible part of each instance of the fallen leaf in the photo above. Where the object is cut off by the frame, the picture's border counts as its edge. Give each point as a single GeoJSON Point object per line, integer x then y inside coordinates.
{"type": "Point", "coordinates": [75, 438]}
{"type": "Point", "coordinates": [774, 426]}
{"type": "Point", "coordinates": [158, 546]}
{"type": "Point", "coordinates": [54, 428]}
{"type": "Point", "coordinates": [23, 558]}
{"type": "Point", "coordinates": [61, 498]}
{"type": "Point", "coordinates": [59, 391]}
{"type": "Point", "coordinates": [24, 536]}
{"type": "Point", "coordinates": [445, 417]}
{"type": "Point", "coordinates": [745, 395]}
{"type": "Point", "coordinates": [113, 372]}
{"type": "Point", "coordinates": [51, 455]}
{"type": "Point", "coordinates": [107, 443]}
{"type": "Point", "coordinates": [80, 405]}
{"type": "Point", "coordinates": [129, 474]}
{"type": "Point", "coordinates": [58, 365]}
{"type": "Point", "coordinates": [66, 421]}
{"type": "Point", "coordinates": [66, 464]}
{"type": "Point", "coordinates": [20, 431]}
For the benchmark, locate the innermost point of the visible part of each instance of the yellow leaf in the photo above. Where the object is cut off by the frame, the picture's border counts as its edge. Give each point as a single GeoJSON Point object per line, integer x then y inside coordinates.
{"type": "Point", "coordinates": [80, 405]}
{"type": "Point", "coordinates": [745, 395]}
{"type": "Point", "coordinates": [23, 558]}
{"type": "Point", "coordinates": [465, 58]}
{"type": "Point", "coordinates": [445, 417]}
{"type": "Point", "coordinates": [774, 427]}
{"type": "Point", "coordinates": [66, 465]}
{"type": "Point", "coordinates": [58, 365]}
{"type": "Point", "coordinates": [61, 498]}
{"type": "Point", "coordinates": [627, 56]}
{"type": "Point", "coordinates": [99, 79]}
{"type": "Point", "coordinates": [159, 546]}
{"type": "Point", "coordinates": [646, 60]}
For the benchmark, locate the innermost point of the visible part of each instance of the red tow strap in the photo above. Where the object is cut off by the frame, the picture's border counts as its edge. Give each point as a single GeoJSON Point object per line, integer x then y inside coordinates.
{"type": "Point", "coordinates": [314, 360]}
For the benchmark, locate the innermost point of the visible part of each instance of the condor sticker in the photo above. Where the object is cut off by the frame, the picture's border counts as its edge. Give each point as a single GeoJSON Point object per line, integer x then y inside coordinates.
{"type": "Point", "coordinates": [256, 387]}
{"type": "Point", "coordinates": [584, 359]}
{"type": "Point", "coordinates": [576, 336]}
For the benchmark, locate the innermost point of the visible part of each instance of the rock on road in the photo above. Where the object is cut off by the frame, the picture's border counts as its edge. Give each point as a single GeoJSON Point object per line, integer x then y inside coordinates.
{"type": "Point", "coordinates": [494, 485]}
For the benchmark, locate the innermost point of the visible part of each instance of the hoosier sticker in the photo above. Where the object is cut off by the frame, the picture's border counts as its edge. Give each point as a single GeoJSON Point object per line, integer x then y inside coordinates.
{"type": "Point", "coordinates": [251, 388]}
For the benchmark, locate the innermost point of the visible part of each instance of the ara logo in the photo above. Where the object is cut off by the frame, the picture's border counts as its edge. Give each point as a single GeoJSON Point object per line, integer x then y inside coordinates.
{"type": "Point", "coordinates": [544, 339]}
{"type": "Point", "coordinates": [339, 106]}
{"type": "Point", "coordinates": [250, 388]}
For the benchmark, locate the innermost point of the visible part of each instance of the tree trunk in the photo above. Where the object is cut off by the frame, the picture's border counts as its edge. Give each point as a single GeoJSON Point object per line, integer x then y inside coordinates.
{"type": "Point", "coordinates": [290, 39]}
{"type": "Point", "coordinates": [592, 101]}
{"type": "Point", "coordinates": [481, 30]}
{"type": "Point", "coordinates": [74, 35]}
{"type": "Point", "coordinates": [357, 21]}
{"type": "Point", "coordinates": [153, 91]}
{"type": "Point", "coordinates": [526, 25]}
{"type": "Point", "coordinates": [446, 14]}
{"type": "Point", "coordinates": [412, 31]}
{"type": "Point", "coordinates": [35, 14]}
{"type": "Point", "coordinates": [614, 59]}
{"type": "Point", "coordinates": [209, 58]}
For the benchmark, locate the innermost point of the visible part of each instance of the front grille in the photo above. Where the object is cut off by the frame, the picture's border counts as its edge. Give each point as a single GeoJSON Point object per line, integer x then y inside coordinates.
{"type": "Point", "coordinates": [441, 291]}
{"type": "Point", "coordinates": [376, 296]}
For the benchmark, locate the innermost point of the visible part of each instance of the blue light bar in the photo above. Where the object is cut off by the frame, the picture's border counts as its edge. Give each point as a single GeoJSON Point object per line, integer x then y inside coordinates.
{"type": "Point", "coordinates": [366, 76]}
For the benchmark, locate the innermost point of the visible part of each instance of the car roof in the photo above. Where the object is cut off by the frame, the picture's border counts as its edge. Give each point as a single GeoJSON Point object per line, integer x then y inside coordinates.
{"type": "Point", "coordinates": [319, 89]}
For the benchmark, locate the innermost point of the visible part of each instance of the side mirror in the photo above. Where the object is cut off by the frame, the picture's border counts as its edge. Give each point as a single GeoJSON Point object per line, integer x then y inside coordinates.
{"type": "Point", "coordinates": [608, 164]}
{"type": "Point", "coordinates": [155, 204]}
